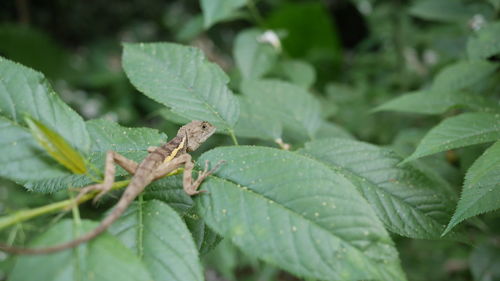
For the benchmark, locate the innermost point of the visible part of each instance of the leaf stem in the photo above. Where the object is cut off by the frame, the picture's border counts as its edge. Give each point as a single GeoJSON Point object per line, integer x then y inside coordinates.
{"type": "Point", "coordinates": [76, 213]}
{"type": "Point", "coordinates": [140, 230]}
{"type": "Point", "coordinates": [24, 215]}
{"type": "Point", "coordinates": [77, 223]}
{"type": "Point", "coordinates": [233, 137]}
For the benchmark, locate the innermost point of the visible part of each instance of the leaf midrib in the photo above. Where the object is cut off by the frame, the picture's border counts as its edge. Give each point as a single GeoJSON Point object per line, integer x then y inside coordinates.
{"type": "Point", "coordinates": [288, 210]}
{"type": "Point", "coordinates": [333, 167]}
{"type": "Point", "coordinates": [188, 88]}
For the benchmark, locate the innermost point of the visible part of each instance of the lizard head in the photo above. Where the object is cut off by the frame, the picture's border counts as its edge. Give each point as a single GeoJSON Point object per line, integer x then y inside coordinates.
{"type": "Point", "coordinates": [197, 132]}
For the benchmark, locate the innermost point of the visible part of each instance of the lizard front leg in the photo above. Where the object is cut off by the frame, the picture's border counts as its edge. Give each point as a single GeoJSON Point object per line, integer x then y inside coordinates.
{"type": "Point", "coordinates": [190, 186]}
{"type": "Point", "coordinates": [109, 174]}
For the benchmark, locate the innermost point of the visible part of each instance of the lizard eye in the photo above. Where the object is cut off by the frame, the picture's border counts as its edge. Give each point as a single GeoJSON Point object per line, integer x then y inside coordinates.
{"type": "Point", "coordinates": [203, 126]}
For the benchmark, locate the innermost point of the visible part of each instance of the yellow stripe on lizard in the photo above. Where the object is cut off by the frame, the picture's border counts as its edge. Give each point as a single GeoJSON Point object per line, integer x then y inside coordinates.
{"type": "Point", "coordinates": [176, 150]}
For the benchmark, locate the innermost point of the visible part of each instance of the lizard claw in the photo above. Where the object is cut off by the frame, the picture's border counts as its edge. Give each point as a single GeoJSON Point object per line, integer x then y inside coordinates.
{"type": "Point", "coordinates": [83, 192]}
{"type": "Point", "coordinates": [217, 166]}
{"type": "Point", "coordinates": [202, 175]}
{"type": "Point", "coordinates": [103, 190]}
{"type": "Point", "coordinates": [195, 192]}
{"type": "Point", "coordinates": [206, 172]}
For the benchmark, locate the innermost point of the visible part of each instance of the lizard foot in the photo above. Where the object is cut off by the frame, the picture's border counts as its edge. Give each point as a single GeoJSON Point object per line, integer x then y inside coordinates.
{"type": "Point", "coordinates": [217, 166]}
{"type": "Point", "coordinates": [202, 175]}
{"type": "Point", "coordinates": [83, 191]}
{"type": "Point", "coordinates": [101, 188]}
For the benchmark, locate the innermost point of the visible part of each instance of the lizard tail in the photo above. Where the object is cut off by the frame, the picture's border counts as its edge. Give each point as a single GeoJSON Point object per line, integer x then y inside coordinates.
{"type": "Point", "coordinates": [121, 206]}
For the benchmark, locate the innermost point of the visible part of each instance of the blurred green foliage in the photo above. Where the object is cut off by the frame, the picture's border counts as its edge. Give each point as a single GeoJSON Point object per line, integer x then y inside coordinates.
{"type": "Point", "coordinates": [354, 56]}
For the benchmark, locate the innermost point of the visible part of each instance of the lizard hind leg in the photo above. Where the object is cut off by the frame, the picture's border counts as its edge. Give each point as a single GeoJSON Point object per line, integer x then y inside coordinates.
{"type": "Point", "coordinates": [109, 175]}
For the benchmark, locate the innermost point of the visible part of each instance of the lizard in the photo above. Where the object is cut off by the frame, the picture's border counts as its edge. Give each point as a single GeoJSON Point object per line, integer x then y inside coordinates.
{"type": "Point", "coordinates": [159, 162]}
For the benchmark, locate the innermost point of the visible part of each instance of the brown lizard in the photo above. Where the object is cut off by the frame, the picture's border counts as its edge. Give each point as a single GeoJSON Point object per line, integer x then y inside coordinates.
{"type": "Point", "coordinates": [159, 162]}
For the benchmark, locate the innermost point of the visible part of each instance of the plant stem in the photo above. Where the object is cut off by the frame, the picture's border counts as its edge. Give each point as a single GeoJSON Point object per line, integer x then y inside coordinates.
{"type": "Point", "coordinates": [77, 227]}
{"type": "Point", "coordinates": [233, 137]}
{"type": "Point", "coordinates": [24, 215]}
{"type": "Point", "coordinates": [76, 213]}
{"type": "Point", "coordinates": [140, 230]}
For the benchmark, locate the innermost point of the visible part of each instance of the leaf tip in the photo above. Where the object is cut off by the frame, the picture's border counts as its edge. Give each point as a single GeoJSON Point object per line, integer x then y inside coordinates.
{"type": "Point", "coordinates": [406, 160]}
{"type": "Point", "coordinates": [377, 109]}
{"type": "Point", "coordinates": [449, 227]}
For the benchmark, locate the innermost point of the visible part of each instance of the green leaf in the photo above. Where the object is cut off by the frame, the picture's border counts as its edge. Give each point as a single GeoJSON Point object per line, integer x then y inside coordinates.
{"type": "Point", "coordinates": [170, 190]}
{"type": "Point", "coordinates": [314, 37]}
{"type": "Point", "coordinates": [253, 58]}
{"type": "Point", "coordinates": [481, 192]}
{"type": "Point", "coordinates": [461, 75]}
{"type": "Point", "coordinates": [22, 158]}
{"type": "Point", "coordinates": [486, 43]}
{"type": "Point", "coordinates": [352, 110]}
{"type": "Point", "coordinates": [103, 259]}
{"type": "Point", "coordinates": [225, 259]}
{"type": "Point", "coordinates": [25, 91]}
{"type": "Point", "coordinates": [428, 102]}
{"type": "Point", "coordinates": [408, 201]}
{"type": "Point", "coordinates": [57, 147]}
{"type": "Point", "coordinates": [419, 102]}
{"type": "Point", "coordinates": [218, 10]}
{"type": "Point", "coordinates": [205, 238]}
{"type": "Point", "coordinates": [297, 213]}
{"type": "Point", "coordinates": [180, 78]}
{"type": "Point", "coordinates": [298, 72]}
{"type": "Point", "coordinates": [157, 234]}
{"type": "Point", "coordinates": [332, 130]}
{"type": "Point", "coordinates": [459, 131]}
{"type": "Point", "coordinates": [190, 30]}
{"type": "Point", "coordinates": [441, 10]}
{"type": "Point", "coordinates": [257, 121]}
{"type": "Point", "coordinates": [495, 3]}
{"type": "Point", "coordinates": [296, 109]}
{"type": "Point", "coordinates": [484, 262]}
{"type": "Point", "coordinates": [129, 142]}
{"type": "Point", "coordinates": [17, 44]}
{"type": "Point", "coordinates": [174, 117]}
{"type": "Point", "coordinates": [106, 135]}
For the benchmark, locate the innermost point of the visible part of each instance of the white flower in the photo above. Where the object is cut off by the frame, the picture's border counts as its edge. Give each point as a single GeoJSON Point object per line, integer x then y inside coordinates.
{"type": "Point", "coordinates": [270, 37]}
